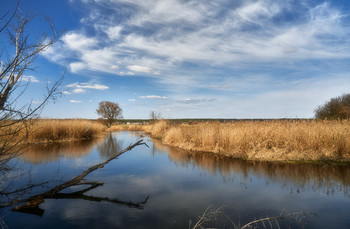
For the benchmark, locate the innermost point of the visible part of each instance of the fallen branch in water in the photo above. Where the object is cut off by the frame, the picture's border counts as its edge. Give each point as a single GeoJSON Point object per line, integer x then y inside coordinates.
{"type": "Point", "coordinates": [34, 201]}
{"type": "Point", "coordinates": [81, 196]}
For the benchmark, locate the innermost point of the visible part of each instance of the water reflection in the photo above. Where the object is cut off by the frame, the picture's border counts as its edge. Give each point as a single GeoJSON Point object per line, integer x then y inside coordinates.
{"type": "Point", "coordinates": [39, 153]}
{"type": "Point", "coordinates": [317, 177]}
{"type": "Point", "coordinates": [114, 142]}
{"type": "Point", "coordinates": [110, 145]}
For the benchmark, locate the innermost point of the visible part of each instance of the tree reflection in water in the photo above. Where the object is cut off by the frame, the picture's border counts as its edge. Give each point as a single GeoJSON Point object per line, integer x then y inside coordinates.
{"type": "Point", "coordinates": [110, 145]}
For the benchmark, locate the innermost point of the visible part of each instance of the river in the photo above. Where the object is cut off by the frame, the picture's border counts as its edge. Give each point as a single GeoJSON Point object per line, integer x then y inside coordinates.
{"type": "Point", "coordinates": [164, 187]}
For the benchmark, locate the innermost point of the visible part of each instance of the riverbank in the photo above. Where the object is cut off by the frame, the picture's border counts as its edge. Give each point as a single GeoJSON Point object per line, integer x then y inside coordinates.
{"type": "Point", "coordinates": [269, 140]}
{"type": "Point", "coordinates": [280, 140]}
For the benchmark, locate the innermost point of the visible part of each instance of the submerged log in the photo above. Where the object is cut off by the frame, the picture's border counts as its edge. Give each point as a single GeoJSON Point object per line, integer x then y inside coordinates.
{"type": "Point", "coordinates": [34, 201]}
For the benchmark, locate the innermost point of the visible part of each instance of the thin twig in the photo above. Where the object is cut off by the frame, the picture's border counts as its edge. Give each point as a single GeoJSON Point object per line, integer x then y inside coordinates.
{"type": "Point", "coordinates": [269, 219]}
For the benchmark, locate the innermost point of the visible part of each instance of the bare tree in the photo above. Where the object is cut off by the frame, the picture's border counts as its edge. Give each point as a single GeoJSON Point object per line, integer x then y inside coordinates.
{"type": "Point", "coordinates": [109, 111]}
{"type": "Point", "coordinates": [154, 116]}
{"type": "Point", "coordinates": [20, 48]}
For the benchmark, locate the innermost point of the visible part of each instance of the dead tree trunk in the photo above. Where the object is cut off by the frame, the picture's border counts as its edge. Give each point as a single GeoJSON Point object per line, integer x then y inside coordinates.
{"type": "Point", "coordinates": [34, 201]}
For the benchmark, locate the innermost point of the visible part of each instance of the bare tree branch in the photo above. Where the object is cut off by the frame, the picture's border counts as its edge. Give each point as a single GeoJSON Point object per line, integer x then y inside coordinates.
{"type": "Point", "coordinates": [25, 54]}
{"type": "Point", "coordinates": [8, 20]}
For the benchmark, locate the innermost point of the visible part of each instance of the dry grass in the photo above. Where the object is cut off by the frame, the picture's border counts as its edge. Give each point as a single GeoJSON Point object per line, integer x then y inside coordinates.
{"type": "Point", "coordinates": [264, 141]}
{"type": "Point", "coordinates": [128, 127]}
{"type": "Point", "coordinates": [62, 130]}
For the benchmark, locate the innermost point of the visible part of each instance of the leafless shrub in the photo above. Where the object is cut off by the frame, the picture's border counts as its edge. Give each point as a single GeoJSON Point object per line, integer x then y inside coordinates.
{"type": "Point", "coordinates": [154, 116]}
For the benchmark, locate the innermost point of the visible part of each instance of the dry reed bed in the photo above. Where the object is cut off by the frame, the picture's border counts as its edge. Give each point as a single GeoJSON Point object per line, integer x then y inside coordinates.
{"type": "Point", "coordinates": [263, 141]}
{"type": "Point", "coordinates": [45, 131]}
{"type": "Point", "coordinates": [128, 127]}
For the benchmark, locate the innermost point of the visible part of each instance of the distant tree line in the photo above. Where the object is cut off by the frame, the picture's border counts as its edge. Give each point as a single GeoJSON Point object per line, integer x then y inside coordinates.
{"type": "Point", "coordinates": [335, 108]}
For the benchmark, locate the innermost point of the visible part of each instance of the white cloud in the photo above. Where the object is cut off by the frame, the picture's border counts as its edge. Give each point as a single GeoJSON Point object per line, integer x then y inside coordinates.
{"type": "Point", "coordinates": [126, 73]}
{"type": "Point", "coordinates": [81, 87]}
{"type": "Point", "coordinates": [131, 100]}
{"type": "Point", "coordinates": [78, 41]}
{"type": "Point", "coordinates": [36, 102]}
{"type": "Point", "coordinates": [93, 86]}
{"type": "Point", "coordinates": [32, 79]}
{"type": "Point", "coordinates": [75, 101]}
{"type": "Point", "coordinates": [153, 97]}
{"type": "Point", "coordinates": [229, 41]}
{"type": "Point", "coordinates": [195, 101]}
{"type": "Point", "coordinates": [139, 68]}
{"type": "Point", "coordinates": [114, 67]}
{"type": "Point", "coordinates": [168, 11]}
{"type": "Point", "coordinates": [100, 59]}
{"type": "Point", "coordinates": [66, 92]}
{"type": "Point", "coordinates": [113, 32]}
{"type": "Point", "coordinates": [205, 32]}
{"type": "Point", "coordinates": [73, 84]}
{"type": "Point", "coordinates": [254, 12]}
{"type": "Point", "coordinates": [79, 90]}
{"type": "Point", "coordinates": [77, 66]}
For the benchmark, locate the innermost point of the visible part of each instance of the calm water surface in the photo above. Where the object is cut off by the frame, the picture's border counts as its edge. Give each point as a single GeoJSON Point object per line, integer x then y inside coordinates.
{"type": "Point", "coordinates": [162, 187]}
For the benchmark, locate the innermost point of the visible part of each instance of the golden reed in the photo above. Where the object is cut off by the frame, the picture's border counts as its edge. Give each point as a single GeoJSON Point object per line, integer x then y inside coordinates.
{"type": "Point", "coordinates": [48, 130]}
{"type": "Point", "coordinates": [129, 127]}
{"type": "Point", "coordinates": [273, 140]}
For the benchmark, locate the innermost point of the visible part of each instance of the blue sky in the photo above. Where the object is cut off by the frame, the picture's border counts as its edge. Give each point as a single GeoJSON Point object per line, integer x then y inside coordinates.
{"type": "Point", "coordinates": [193, 59]}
